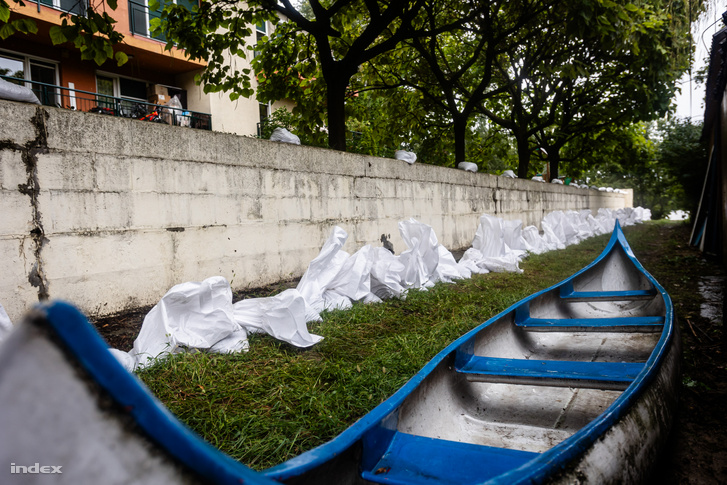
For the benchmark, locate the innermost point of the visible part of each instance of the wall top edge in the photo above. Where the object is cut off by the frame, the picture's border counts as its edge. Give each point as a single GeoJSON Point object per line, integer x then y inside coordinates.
{"type": "Point", "coordinates": [80, 132]}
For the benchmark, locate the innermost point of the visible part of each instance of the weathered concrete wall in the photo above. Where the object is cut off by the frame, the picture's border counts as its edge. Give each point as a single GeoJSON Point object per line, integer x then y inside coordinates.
{"type": "Point", "coordinates": [109, 213]}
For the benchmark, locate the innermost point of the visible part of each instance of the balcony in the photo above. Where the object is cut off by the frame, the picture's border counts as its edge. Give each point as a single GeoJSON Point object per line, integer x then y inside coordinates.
{"type": "Point", "coordinates": [75, 99]}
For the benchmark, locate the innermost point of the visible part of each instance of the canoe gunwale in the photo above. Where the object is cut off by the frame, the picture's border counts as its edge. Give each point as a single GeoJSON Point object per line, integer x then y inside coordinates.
{"type": "Point", "coordinates": [547, 463]}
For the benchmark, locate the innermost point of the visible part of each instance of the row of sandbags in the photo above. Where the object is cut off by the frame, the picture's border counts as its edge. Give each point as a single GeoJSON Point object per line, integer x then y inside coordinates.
{"type": "Point", "coordinates": [201, 315]}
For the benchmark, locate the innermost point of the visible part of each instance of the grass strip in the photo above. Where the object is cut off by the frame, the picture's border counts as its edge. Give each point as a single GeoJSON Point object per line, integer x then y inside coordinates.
{"type": "Point", "coordinates": [275, 402]}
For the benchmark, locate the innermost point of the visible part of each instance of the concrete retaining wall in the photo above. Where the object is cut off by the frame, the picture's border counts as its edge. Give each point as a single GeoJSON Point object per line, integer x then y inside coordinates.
{"type": "Point", "coordinates": [109, 213]}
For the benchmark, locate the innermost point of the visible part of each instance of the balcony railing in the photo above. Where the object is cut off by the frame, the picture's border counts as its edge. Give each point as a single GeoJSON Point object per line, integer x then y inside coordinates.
{"type": "Point", "coordinates": [76, 99]}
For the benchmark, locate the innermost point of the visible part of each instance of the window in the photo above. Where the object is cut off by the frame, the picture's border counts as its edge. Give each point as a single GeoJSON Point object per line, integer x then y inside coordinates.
{"type": "Point", "coordinates": [44, 73]}
{"type": "Point", "coordinates": [264, 111]}
{"type": "Point", "coordinates": [140, 15]}
{"type": "Point", "coordinates": [77, 7]}
{"type": "Point", "coordinates": [109, 87]}
{"type": "Point", "coordinates": [261, 30]}
{"type": "Point", "coordinates": [12, 66]}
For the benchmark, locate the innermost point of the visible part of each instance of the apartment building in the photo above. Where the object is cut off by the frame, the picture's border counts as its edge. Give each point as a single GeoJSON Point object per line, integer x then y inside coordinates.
{"type": "Point", "coordinates": [151, 77]}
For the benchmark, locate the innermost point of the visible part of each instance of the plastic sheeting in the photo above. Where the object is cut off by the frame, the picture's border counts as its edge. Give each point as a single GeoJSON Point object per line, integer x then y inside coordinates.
{"type": "Point", "coordinates": [283, 135]}
{"type": "Point", "coordinates": [15, 92]}
{"type": "Point", "coordinates": [192, 315]}
{"type": "Point", "coordinates": [201, 316]}
{"type": "Point", "coordinates": [408, 157]}
{"type": "Point", "coordinates": [283, 316]}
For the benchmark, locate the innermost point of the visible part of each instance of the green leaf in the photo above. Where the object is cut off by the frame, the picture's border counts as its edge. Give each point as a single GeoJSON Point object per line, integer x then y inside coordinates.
{"type": "Point", "coordinates": [4, 11]}
{"type": "Point", "coordinates": [112, 4]}
{"type": "Point", "coordinates": [6, 31]}
{"type": "Point", "coordinates": [29, 26]}
{"type": "Point", "coordinates": [100, 56]}
{"type": "Point", "coordinates": [121, 58]}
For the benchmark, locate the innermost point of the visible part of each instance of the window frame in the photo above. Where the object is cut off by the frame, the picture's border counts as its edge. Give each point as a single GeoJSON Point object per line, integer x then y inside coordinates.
{"type": "Point", "coordinates": [40, 61]}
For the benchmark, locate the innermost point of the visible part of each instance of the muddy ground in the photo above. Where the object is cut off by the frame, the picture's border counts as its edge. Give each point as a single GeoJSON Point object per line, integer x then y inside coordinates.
{"type": "Point", "coordinates": [697, 450]}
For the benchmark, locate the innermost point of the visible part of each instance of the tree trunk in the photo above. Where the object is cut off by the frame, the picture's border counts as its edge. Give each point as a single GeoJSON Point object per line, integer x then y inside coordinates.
{"type": "Point", "coordinates": [460, 133]}
{"type": "Point", "coordinates": [553, 161]}
{"type": "Point", "coordinates": [523, 155]}
{"type": "Point", "coordinates": [336, 98]}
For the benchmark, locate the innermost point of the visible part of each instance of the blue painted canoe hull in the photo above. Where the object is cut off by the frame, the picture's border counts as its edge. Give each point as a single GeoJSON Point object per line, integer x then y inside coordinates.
{"type": "Point", "coordinates": [575, 383]}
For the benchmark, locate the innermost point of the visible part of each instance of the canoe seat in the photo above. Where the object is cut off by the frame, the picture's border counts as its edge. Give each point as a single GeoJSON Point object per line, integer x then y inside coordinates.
{"type": "Point", "coordinates": [618, 324]}
{"type": "Point", "coordinates": [557, 373]}
{"type": "Point", "coordinates": [633, 295]}
{"type": "Point", "coordinates": [411, 459]}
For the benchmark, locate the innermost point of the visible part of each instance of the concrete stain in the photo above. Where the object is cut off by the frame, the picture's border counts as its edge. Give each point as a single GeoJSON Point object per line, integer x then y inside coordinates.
{"type": "Point", "coordinates": [31, 188]}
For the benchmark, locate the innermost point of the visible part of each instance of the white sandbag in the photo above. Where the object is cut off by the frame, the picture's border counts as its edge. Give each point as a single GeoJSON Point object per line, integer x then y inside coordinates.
{"type": "Point", "coordinates": [624, 216]}
{"type": "Point", "coordinates": [16, 92]}
{"type": "Point", "coordinates": [193, 315]}
{"type": "Point", "coordinates": [537, 178]}
{"type": "Point", "coordinates": [596, 227]}
{"type": "Point", "coordinates": [469, 260]}
{"type": "Point", "coordinates": [556, 181]}
{"type": "Point", "coordinates": [232, 344]}
{"type": "Point", "coordinates": [607, 219]}
{"type": "Point", "coordinates": [283, 135]}
{"type": "Point", "coordinates": [645, 214]}
{"type": "Point", "coordinates": [509, 174]}
{"type": "Point", "coordinates": [512, 233]}
{"type": "Point", "coordinates": [421, 258]}
{"type": "Point", "coordinates": [579, 220]}
{"type": "Point", "coordinates": [282, 316]}
{"type": "Point", "coordinates": [552, 234]}
{"type": "Point", "coordinates": [408, 157]}
{"type": "Point", "coordinates": [489, 240]}
{"type": "Point", "coordinates": [335, 279]}
{"type": "Point", "coordinates": [124, 358]}
{"type": "Point", "coordinates": [558, 222]}
{"type": "Point", "coordinates": [467, 166]}
{"type": "Point", "coordinates": [323, 269]}
{"type": "Point", "coordinates": [533, 241]}
{"type": "Point", "coordinates": [473, 260]}
{"type": "Point", "coordinates": [386, 274]}
{"type": "Point", "coordinates": [448, 269]}
{"type": "Point", "coordinates": [353, 280]}
{"type": "Point", "coordinates": [5, 324]}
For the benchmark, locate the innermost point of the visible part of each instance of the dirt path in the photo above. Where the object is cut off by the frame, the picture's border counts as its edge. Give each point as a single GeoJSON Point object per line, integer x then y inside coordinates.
{"type": "Point", "coordinates": [697, 450]}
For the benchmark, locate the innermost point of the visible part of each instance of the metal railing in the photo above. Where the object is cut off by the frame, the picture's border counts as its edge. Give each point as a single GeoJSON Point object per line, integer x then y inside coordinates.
{"type": "Point", "coordinates": [76, 99]}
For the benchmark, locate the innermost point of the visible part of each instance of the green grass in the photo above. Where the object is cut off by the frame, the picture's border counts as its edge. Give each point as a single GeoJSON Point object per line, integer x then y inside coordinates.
{"type": "Point", "coordinates": [275, 402]}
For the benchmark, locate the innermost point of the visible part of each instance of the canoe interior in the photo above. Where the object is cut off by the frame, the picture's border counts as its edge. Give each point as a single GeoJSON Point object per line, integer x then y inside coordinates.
{"type": "Point", "coordinates": [517, 400]}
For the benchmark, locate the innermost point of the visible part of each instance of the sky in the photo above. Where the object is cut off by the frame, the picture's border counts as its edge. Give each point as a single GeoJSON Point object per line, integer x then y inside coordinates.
{"type": "Point", "coordinates": [690, 103]}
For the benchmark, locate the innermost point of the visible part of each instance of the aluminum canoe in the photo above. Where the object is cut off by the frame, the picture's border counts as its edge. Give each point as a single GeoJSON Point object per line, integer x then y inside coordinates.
{"type": "Point", "coordinates": [574, 384]}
